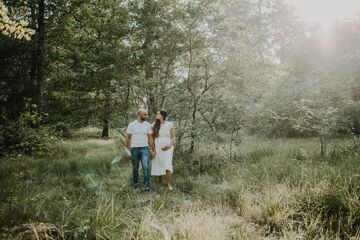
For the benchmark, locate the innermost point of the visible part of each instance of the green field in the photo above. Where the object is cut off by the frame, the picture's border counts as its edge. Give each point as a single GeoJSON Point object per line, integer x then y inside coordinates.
{"type": "Point", "coordinates": [270, 189]}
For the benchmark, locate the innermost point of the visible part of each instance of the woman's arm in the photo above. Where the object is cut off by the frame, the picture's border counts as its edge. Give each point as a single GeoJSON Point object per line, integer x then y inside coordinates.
{"type": "Point", "coordinates": [172, 136]}
{"type": "Point", "coordinates": [172, 140]}
{"type": "Point", "coordinates": [151, 137]}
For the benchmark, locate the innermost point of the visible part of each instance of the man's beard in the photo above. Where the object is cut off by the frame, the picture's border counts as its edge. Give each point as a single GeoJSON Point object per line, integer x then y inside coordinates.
{"type": "Point", "coordinates": [143, 118]}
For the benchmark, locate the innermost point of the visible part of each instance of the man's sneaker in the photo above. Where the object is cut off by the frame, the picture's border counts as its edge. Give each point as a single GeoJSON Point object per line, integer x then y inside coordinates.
{"type": "Point", "coordinates": [147, 189]}
{"type": "Point", "coordinates": [136, 185]}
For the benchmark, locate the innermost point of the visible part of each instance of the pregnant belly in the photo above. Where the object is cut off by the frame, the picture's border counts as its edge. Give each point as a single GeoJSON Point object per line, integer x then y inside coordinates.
{"type": "Point", "coordinates": [161, 142]}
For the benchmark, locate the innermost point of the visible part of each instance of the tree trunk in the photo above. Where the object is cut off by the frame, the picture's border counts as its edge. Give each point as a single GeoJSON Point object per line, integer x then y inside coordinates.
{"type": "Point", "coordinates": [30, 91]}
{"type": "Point", "coordinates": [322, 147]}
{"type": "Point", "coordinates": [356, 125]}
{"type": "Point", "coordinates": [148, 54]}
{"type": "Point", "coordinates": [192, 134]}
{"type": "Point", "coordinates": [105, 131]}
{"type": "Point", "coordinates": [40, 54]}
{"type": "Point", "coordinates": [106, 115]}
{"type": "Point", "coordinates": [127, 101]}
{"type": "Point", "coordinates": [233, 136]}
{"type": "Point", "coordinates": [231, 143]}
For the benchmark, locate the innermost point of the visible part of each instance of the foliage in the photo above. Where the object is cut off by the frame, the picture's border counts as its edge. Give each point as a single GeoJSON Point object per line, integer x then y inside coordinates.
{"type": "Point", "coordinates": [218, 67]}
{"type": "Point", "coordinates": [25, 137]}
{"type": "Point", "coordinates": [11, 28]}
{"type": "Point", "coordinates": [321, 122]}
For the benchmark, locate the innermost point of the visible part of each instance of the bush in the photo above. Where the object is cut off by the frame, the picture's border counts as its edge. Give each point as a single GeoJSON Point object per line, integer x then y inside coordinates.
{"type": "Point", "coordinates": [25, 136]}
{"type": "Point", "coordinates": [63, 130]}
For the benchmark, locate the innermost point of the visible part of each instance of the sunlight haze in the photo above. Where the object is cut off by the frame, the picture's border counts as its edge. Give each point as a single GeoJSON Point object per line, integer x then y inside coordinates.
{"type": "Point", "coordinates": [325, 12]}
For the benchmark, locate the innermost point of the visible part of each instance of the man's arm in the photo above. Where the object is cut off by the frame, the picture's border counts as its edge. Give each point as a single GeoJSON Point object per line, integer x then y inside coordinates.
{"type": "Point", "coordinates": [151, 144]}
{"type": "Point", "coordinates": [127, 142]}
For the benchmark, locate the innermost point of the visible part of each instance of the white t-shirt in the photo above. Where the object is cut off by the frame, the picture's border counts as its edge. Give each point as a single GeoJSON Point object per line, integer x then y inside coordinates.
{"type": "Point", "coordinates": [139, 133]}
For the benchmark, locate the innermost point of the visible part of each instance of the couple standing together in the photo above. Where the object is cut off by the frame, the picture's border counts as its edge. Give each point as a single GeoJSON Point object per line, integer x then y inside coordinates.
{"type": "Point", "coordinates": [145, 141]}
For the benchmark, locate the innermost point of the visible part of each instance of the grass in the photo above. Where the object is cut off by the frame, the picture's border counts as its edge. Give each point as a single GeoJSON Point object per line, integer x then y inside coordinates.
{"type": "Point", "coordinates": [266, 192]}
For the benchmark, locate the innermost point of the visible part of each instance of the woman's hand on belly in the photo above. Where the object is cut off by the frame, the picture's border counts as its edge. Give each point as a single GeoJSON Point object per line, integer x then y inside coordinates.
{"type": "Point", "coordinates": [166, 147]}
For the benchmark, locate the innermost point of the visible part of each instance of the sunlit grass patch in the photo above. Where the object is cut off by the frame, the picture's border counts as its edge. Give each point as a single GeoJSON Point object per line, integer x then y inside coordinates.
{"type": "Point", "coordinates": [268, 194]}
{"type": "Point", "coordinates": [88, 132]}
{"type": "Point", "coordinates": [202, 224]}
{"type": "Point", "coordinates": [92, 132]}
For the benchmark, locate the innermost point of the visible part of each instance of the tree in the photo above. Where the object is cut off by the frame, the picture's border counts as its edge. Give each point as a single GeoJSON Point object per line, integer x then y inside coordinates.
{"type": "Point", "coordinates": [315, 120]}
{"type": "Point", "coordinates": [91, 71]}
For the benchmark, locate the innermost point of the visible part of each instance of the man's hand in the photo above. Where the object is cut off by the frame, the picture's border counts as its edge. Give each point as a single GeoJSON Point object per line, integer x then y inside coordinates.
{"type": "Point", "coordinates": [152, 153]}
{"type": "Point", "coordinates": [129, 157]}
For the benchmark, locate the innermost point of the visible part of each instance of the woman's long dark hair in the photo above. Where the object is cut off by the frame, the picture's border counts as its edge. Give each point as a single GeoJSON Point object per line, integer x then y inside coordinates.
{"type": "Point", "coordinates": [157, 124]}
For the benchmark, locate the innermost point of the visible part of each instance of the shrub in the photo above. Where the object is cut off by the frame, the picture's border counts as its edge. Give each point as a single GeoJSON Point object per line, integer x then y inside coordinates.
{"type": "Point", "coordinates": [26, 135]}
{"type": "Point", "coordinates": [63, 130]}
{"type": "Point", "coordinates": [15, 137]}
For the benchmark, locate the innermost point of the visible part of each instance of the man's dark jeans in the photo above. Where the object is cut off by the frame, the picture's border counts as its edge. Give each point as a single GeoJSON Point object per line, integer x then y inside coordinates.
{"type": "Point", "coordinates": [141, 154]}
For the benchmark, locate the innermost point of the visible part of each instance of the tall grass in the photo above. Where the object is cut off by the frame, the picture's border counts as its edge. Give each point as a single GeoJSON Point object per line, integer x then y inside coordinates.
{"type": "Point", "coordinates": [266, 192]}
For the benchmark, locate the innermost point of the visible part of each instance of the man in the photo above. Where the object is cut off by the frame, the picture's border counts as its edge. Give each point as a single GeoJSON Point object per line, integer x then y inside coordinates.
{"type": "Point", "coordinates": [140, 144]}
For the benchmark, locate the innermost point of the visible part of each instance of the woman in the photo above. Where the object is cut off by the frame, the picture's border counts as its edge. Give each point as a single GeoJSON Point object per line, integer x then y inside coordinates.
{"type": "Point", "coordinates": [163, 133]}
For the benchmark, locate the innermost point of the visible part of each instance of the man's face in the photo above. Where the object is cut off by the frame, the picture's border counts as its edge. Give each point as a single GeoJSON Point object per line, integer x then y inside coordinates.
{"type": "Point", "coordinates": [143, 115]}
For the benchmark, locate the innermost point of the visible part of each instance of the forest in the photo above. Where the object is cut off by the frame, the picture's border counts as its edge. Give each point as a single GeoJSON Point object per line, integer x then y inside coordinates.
{"type": "Point", "coordinates": [264, 97]}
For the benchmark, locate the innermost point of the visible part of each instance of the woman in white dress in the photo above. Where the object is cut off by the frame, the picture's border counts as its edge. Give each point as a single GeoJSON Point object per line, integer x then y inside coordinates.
{"type": "Point", "coordinates": [163, 132]}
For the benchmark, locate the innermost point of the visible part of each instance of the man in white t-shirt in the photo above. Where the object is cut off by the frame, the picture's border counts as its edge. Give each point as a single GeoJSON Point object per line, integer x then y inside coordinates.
{"type": "Point", "coordinates": [140, 143]}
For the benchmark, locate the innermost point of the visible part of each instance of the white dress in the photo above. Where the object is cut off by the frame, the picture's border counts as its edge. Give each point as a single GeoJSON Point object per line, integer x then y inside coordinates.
{"type": "Point", "coordinates": [163, 159]}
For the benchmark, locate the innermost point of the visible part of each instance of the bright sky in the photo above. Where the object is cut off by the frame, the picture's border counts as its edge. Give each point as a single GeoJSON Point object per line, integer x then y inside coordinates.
{"type": "Point", "coordinates": [325, 12]}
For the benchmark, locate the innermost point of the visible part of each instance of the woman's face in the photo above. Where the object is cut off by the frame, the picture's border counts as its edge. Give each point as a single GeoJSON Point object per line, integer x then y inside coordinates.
{"type": "Point", "coordinates": [159, 116]}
